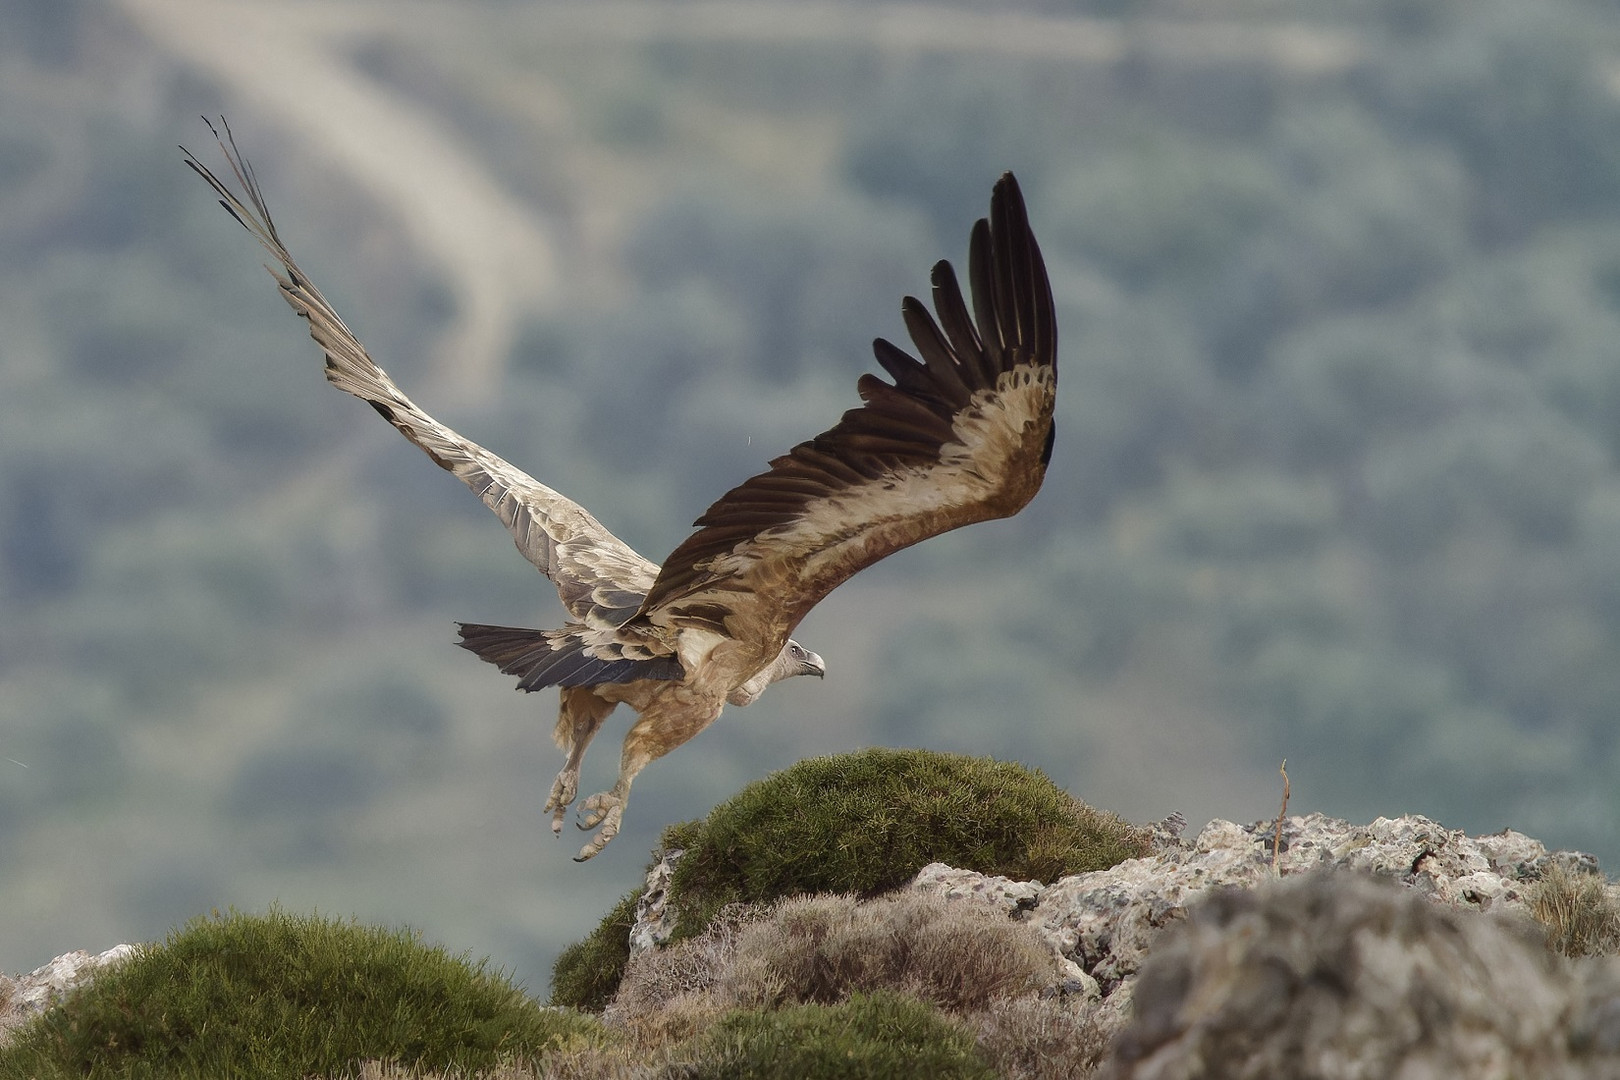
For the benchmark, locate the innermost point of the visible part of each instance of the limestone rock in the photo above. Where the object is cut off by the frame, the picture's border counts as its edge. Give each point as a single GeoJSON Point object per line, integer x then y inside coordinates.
{"type": "Point", "coordinates": [1011, 896]}
{"type": "Point", "coordinates": [1166, 832]}
{"type": "Point", "coordinates": [23, 997]}
{"type": "Point", "coordinates": [655, 921]}
{"type": "Point", "coordinates": [1105, 922]}
{"type": "Point", "coordinates": [1335, 975]}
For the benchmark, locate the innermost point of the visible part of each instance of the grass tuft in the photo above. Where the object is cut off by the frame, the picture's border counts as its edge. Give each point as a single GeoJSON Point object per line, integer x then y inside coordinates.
{"type": "Point", "coordinates": [866, 822]}
{"type": "Point", "coordinates": [869, 1037]}
{"type": "Point", "coordinates": [1581, 917]}
{"type": "Point", "coordinates": [587, 973]}
{"type": "Point", "coordinates": [283, 995]}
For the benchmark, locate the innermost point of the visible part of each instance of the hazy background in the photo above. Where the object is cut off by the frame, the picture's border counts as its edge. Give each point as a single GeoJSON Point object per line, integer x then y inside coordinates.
{"type": "Point", "coordinates": [1335, 479]}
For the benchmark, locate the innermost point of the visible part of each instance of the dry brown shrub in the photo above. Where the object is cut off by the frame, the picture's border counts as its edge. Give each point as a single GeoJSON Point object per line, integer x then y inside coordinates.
{"type": "Point", "coordinates": [969, 959]}
{"type": "Point", "coordinates": [1030, 1038]}
{"type": "Point", "coordinates": [600, 1063]}
{"type": "Point", "coordinates": [386, 1070]}
{"type": "Point", "coordinates": [957, 956]}
{"type": "Point", "coordinates": [1579, 912]}
{"type": "Point", "coordinates": [674, 1020]}
{"type": "Point", "coordinates": [654, 978]}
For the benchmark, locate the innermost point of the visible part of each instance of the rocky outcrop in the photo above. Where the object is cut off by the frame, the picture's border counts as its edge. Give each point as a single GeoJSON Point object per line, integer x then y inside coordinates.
{"type": "Point", "coordinates": [655, 920]}
{"type": "Point", "coordinates": [1105, 922]}
{"type": "Point", "coordinates": [1345, 975]}
{"type": "Point", "coordinates": [1316, 948]}
{"type": "Point", "coordinates": [24, 997]}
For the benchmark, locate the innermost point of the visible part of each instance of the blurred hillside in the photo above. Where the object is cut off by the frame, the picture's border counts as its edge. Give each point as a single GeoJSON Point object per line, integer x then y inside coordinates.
{"type": "Point", "coordinates": [1335, 477]}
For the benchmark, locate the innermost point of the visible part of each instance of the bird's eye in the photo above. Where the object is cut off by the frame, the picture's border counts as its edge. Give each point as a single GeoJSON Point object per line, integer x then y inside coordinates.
{"type": "Point", "coordinates": [797, 651]}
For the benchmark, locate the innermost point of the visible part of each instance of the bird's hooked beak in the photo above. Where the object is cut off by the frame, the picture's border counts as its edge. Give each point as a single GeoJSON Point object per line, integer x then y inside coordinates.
{"type": "Point", "coordinates": [812, 664]}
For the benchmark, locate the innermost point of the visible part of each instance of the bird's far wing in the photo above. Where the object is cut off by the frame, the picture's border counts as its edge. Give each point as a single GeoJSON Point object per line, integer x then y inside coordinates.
{"type": "Point", "coordinates": [601, 579]}
{"type": "Point", "coordinates": [963, 436]}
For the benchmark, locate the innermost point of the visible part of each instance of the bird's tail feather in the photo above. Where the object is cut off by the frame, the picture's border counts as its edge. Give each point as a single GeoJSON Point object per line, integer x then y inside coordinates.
{"type": "Point", "coordinates": [542, 658]}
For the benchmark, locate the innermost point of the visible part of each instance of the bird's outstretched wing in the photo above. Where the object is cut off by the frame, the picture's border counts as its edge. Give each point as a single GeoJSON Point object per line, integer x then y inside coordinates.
{"type": "Point", "coordinates": [963, 436]}
{"type": "Point", "coordinates": [601, 579]}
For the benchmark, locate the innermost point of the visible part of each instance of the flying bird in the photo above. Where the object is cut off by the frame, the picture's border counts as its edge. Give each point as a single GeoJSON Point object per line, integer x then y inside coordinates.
{"type": "Point", "coordinates": [963, 435]}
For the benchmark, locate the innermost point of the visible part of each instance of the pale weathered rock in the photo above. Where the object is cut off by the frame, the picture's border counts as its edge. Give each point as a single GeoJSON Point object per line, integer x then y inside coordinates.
{"type": "Point", "coordinates": [1011, 896]}
{"type": "Point", "coordinates": [24, 997]}
{"type": "Point", "coordinates": [655, 920]}
{"type": "Point", "coordinates": [1339, 976]}
{"type": "Point", "coordinates": [1166, 832]}
{"type": "Point", "coordinates": [1106, 921]}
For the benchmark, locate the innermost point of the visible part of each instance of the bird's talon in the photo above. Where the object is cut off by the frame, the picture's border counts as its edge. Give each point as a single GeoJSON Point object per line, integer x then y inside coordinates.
{"type": "Point", "coordinates": [596, 808]}
{"type": "Point", "coordinates": [604, 809]}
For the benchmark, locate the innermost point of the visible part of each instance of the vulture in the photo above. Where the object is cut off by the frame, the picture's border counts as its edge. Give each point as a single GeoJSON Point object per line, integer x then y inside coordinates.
{"type": "Point", "coordinates": [962, 435]}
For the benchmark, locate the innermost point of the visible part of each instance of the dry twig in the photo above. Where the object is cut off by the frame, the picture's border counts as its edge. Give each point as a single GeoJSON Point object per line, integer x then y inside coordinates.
{"type": "Point", "coordinates": [1276, 840]}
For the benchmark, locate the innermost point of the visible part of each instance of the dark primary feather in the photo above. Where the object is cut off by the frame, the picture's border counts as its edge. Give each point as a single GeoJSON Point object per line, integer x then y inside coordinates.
{"type": "Point", "coordinates": [902, 425]}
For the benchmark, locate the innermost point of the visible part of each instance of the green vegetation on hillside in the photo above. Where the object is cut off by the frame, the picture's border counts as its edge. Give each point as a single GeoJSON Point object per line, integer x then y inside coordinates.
{"type": "Point", "coordinates": [286, 996]}
{"type": "Point", "coordinates": [867, 1037]}
{"type": "Point", "coordinates": [587, 973]}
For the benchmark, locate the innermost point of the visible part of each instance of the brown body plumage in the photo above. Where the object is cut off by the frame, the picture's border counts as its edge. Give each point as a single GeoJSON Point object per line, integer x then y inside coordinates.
{"type": "Point", "coordinates": [962, 436]}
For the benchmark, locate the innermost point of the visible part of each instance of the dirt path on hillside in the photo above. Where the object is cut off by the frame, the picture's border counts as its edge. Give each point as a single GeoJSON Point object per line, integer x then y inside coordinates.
{"type": "Point", "coordinates": [291, 62]}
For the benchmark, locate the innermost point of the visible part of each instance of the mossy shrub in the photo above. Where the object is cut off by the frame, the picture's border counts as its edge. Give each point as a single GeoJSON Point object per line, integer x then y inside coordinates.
{"type": "Point", "coordinates": [587, 973]}
{"type": "Point", "coordinates": [283, 995]}
{"type": "Point", "coordinates": [866, 822]}
{"type": "Point", "coordinates": [880, 1036]}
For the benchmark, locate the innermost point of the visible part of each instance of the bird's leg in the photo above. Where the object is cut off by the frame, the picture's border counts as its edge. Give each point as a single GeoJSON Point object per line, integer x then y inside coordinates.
{"type": "Point", "coordinates": [653, 735]}
{"type": "Point", "coordinates": [580, 716]}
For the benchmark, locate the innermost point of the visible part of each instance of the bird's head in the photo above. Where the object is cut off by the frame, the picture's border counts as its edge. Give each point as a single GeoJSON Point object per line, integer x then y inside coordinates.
{"type": "Point", "coordinates": [794, 659]}
{"type": "Point", "coordinates": [801, 661]}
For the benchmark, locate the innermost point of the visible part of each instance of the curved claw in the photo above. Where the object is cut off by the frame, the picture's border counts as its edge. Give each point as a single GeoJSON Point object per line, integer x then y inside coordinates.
{"type": "Point", "coordinates": [604, 808]}
{"type": "Point", "coordinates": [597, 807]}
{"type": "Point", "coordinates": [562, 794]}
